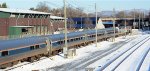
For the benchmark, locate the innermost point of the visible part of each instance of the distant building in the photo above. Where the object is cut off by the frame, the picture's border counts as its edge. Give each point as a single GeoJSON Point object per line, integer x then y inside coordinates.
{"type": "Point", "coordinates": [18, 22]}
{"type": "Point", "coordinates": [82, 22]}
{"type": "Point", "coordinates": [89, 22]}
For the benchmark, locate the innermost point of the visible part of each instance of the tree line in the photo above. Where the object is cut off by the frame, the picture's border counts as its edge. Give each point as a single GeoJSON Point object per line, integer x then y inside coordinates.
{"type": "Point", "coordinates": [71, 12]}
{"type": "Point", "coordinates": [79, 12]}
{"type": "Point", "coordinates": [3, 5]}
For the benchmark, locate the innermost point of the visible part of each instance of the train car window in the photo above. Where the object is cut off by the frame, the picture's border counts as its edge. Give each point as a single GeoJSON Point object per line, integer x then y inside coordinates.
{"type": "Point", "coordinates": [37, 46]}
{"type": "Point", "coordinates": [17, 51]}
{"type": "Point", "coordinates": [93, 35]}
{"type": "Point", "coordinates": [71, 39]}
{"type": "Point", "coordinates": [32, 47]}
{"type": "Point", "coordinates": [42, 45]}
{"type": "Point", "coordinates": [64, 41]}
{"type": "Point", "coordinates": [61, 42]}
{"type": "Point", "coordinates": [4, 53]}
{"type": "Point", "coordinates": [57, 42]}
{"type": "Point", "coordinates": [76, 38]}
{"type": "Point", "coordinates": [81, 38]}
{"type": "Point", "coordinates": [67, 40]}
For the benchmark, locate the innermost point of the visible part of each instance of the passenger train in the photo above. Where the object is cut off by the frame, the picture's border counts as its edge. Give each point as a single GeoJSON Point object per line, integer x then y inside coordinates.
{"type": "Point", "coordinates": [32, 48]}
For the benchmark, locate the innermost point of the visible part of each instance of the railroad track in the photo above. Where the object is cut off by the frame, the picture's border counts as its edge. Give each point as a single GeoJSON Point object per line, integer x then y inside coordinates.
{"type": "Point", "coordinates": [82, 63]}
{"type": "Point", "coordinates": [14, 67]}
{"type": "Point", "coordinates": [136, 63]}
{"type": "Point", "coordinates": [105, 66]}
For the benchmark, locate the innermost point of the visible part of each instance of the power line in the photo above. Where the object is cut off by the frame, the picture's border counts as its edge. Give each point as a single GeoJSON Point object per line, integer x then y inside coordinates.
{"type": "Point", "coordinates": [53, 4]}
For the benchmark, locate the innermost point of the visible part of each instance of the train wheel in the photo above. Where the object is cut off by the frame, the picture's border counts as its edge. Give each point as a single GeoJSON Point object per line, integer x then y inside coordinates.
{"type": "Point", "coordinates": [31, 59]}
{"type": "Point", "coordinates": [3, 66]}
{"type": "Point", "coordinates": [37, 57]}
{"type": "Point", "coordinates": [15, 62]}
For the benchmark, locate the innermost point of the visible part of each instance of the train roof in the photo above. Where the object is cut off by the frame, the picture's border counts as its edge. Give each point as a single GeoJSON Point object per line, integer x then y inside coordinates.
{"type": "Point", "coordinates": [56, 37]}
{"type": "Point", "coordinates": [28, 41]}
{"type": "Point", "coordinates": [22, 42]}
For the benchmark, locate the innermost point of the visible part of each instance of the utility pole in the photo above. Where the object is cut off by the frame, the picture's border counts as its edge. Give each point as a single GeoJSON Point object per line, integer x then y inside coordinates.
{"type": "Point", "coordinates": [134, 20]}
{"type": "Point", "coordinates": [149, 22]}
{"type": "Point", "coordinates": [114, 23]}
{"type": "Point", "coordinates": [139, 20]}
{"type": "Point", "coordinates": [96, 22]}
{"type": "Point", "coordinates": [81, 22]}
{"type": "Point", "coordinates": [125, 23]}
{"type": "Point", "coordinates": [65, 49]}
{"type": "Point", "coordinates": [142, 20]}
{"type": "Point", "coordinates": [41, 29]}
{"type": "Point", "coordinates": [17, 20]}
{"type": "Point", "coordinates": [144, 23]}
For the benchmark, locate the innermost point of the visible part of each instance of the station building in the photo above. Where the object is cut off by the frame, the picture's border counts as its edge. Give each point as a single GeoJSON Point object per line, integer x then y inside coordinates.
{"type": "Point", "coordinates": [20, 23]}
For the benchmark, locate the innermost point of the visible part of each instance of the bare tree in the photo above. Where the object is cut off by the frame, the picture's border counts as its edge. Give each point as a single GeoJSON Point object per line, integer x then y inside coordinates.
{"type": "Point", "coordinates": [136, 13]}
{"type": "Point", "coordinates": [43, 7]}
{"type": "Point", "coordinates": [57, 12]}
{"type": "Point", "coordinates": [88, 23]}
{"type": "Point", "coordinates": [120, 14]}
{"type": "Point", "coordinates": [3, 5]}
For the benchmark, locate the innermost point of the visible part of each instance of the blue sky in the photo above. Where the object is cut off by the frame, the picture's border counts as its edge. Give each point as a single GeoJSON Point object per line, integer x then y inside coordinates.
{"type": "Point", "coordinates": [87, 5]}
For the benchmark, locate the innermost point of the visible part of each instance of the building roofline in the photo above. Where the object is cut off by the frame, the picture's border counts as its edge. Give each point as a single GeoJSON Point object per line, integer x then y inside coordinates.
{"type": "Point", "coordinates": [22, 11]}
{"type": "Point", "coordinates": [57, 17]}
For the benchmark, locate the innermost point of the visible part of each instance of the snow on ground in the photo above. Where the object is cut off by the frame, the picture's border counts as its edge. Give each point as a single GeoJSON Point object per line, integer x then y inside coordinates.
{"type": "Point", "coordinates": [130, 64]}
{"type": "Point", "coordinates": [133, 59]}
{"type": "Point", "coordinates": [106, 60]}
{"type": "Point", "coordinates": [120, 59]}
{"type": "Point", "coordinates": [58, 60]}
{"type": "Point", "coordinates": [146, 64]}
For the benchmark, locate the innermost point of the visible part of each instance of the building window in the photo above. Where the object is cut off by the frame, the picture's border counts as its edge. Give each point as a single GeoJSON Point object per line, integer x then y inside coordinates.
{"type": "Point", "coordinates": [24, 30]}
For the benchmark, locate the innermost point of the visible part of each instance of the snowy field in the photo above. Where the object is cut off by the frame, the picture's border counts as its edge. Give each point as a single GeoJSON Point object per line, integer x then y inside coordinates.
{"type": "Point", "coordinates": [45, 63]}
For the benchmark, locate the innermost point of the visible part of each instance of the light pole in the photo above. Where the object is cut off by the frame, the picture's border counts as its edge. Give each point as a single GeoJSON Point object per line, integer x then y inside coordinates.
{"type": "Point", "coordinates": [65, 49]}
{"type": "Point", "coordinates": [96, 22]}
{"type": "Point", "coordinates": [81, 21]}
{"type": "Point", "coordinates": [134, 24]}
{"type": "Point", "coordinates": [139, 20]}
{"type": "Point", "coordinates": [114, 23]}
{"type": "Point", "coordinates": [125, 23]}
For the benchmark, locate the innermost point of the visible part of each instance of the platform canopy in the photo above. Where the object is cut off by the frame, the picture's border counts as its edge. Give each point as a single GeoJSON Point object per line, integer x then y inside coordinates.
{"type": "Point", "coordinates": [23, 26]}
